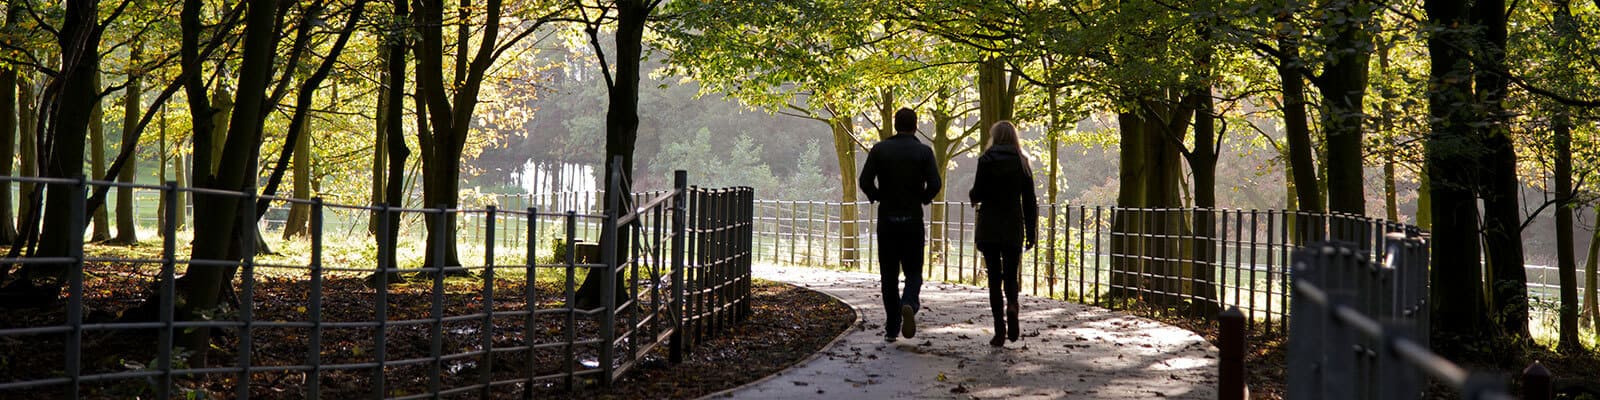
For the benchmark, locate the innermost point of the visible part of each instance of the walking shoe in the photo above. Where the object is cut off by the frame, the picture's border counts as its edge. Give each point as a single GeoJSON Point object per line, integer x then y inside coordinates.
{"type": "Point", "coordinates": [908, 321]}
{"type": "Point", "coordinates": [890, 338]}
{"type": "Point", "coordinates": [997, 341]}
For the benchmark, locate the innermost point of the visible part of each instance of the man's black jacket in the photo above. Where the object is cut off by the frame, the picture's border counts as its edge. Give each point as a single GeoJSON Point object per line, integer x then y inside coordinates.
{"type": "Point", "coordinates": [900, 175]}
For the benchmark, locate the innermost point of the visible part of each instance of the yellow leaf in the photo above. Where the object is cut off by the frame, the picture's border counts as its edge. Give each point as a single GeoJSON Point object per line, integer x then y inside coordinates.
{"type": "Point", "coordinates": [300, 309]}
{"type": "Point", "coordinates": [940, 378]}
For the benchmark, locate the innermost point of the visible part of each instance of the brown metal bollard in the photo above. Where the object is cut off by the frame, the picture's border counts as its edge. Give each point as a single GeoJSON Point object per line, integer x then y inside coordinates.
{"type": "Point", "coordinates": [1536, 383]}
{"type": "Point", "coordinates": [1230, 345]}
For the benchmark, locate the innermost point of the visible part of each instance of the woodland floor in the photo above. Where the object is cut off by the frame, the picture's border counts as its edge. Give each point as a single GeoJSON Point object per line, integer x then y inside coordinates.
{"type": "Point", "coordinates": [787, 324]}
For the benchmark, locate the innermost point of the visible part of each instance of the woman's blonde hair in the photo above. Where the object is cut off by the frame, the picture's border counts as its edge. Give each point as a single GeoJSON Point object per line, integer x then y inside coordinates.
{"type": "Point", "coordinates": [1004, 132]}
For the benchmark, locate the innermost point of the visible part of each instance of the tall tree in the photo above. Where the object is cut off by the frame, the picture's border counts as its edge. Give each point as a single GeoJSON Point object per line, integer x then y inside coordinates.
{"type": "Point", "coordinates": [1344, 86]}
{"type": "Point", "coordinates": [217, 228]}
{"type": "Point", "coordinates": [68, 100]}
{"type": "Point", "coordinates": [8, 132]}
{"type": "Point", "coordinates": [97, 159]}
{"type": "Point", "coordinates": [1502, 218]}
{"type": "Point", "coordinates": [127, 226]}
{"type": "Point", "coordinates": [450, 114]}
{"type": "Point", "coordinates": [1567, 263]}
{"type": "Point", "coordinates": [1456, 286]}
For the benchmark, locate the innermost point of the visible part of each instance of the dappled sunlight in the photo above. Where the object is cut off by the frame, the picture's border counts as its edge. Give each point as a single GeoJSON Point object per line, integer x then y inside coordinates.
{"type": "Point", "coordinates": [1066, 351]}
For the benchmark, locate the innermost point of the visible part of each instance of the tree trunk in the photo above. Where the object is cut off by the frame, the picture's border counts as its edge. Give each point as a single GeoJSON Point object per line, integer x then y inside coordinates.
{"type": "Point", "coordinates": [8, 140]}
{"type": "Point", "coordinates": [161, 165]}
{"type": "Point", "coordinates": [1344, 86]}
{"type": "Point", "coordinates": [299, 222]}
{"type": "Point", "coordinates": [1203, 164]}
{"type": "Point", "coordinates": [886, 110]}
{"type": "Point", "coordinates": [180, 173]}
{"type": "Point", "coordinates": [997, 94]}
{"type": "Point", "coordinates": [217, 227]}
{"type": "Point", "coordinates": [1456, 291]}
{"type": "Point", "coordinates": [844, 148]}
{"type": "Point", "coordinates": [1502, 220]}
{"type": "Point", "coordinates": [1391, 204]}
{"type": "Point", "coordinates": [380, 142]}
{"type": "Point", "coordinates": [1424, 201]}
{"type": "Point", "coordinates": [79, 42]}
{"type": "Point", "coordinates": [127, 224]}
{"type": "Point", "coordinates": [1165, 127]}
{"type": "Point", "coordinates": [394, 139]}
{"type": "Point", "coordinates": [1566, 265]}
{"type": "Point", "coordinates": [450, 117]}
{"type": "Point", "coordinates": [622, 124]}
{"type": "Point", "coordinates": [97, 160]}
{"type": "Point", "coordinates": [1297, 130]}
{"type": "Point", "coordinates": [27, 151]}
{"type": "Point", "coordinates": [1590, 288]}
{"type": "Point", "coordinates": [1127, 225]}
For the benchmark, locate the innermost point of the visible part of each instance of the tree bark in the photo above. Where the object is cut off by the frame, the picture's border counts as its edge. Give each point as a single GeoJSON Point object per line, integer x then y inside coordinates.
{"type": "Point", "coordinates": [394, 135]}
{"type": "Point", "coordinates": [27, 152]}
{"type": "Point", "coordinates": [127, 225]}
{"type": "Point", "coordinates": [1456, 291]}
{"type": "Point", "coordinates": [1502, 219]}
{"type": "Point", "coordinates": [844, 147]}
{"type": "Point", "coordinates": [217, 221]}
{"type": "Point", "coordinates": [997, 94]}
{"type": "Point", "coordinates": [1297, 130]}
{"type": "Point", "coordinates": [1566, 264]}
{"type": "Point", "coordinates": [8, 139]}
{"type": "Point", "coordinates": [72, 92]}
{"type": "Point", "coordinates": [622, 118]}
{"type": "Point", "coordinates": [300, 213]}
{"type": "Point", "coordinates": [1344, 86]}
{"type": "Point", "coordinates": [1590, 288]}
{"type": "Point", "coordinates": [380, 142]}
{"type": "Point", "coordinates": [450, 117]}
{"type": "Point", "coordinates": [1126, 225]}
{"type": "Point", "coordinates": [97, 159]}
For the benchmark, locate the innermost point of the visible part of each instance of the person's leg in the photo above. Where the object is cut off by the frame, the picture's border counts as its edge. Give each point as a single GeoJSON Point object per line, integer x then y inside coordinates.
{"type": "Point", "coordinates": [993, 268]}
{"type": "Point", "coordinates": [889, 280]}
{"type": "Point", "coordinates": [911, 262]}
{"type": "Point", "coordinates": [1012, 265]}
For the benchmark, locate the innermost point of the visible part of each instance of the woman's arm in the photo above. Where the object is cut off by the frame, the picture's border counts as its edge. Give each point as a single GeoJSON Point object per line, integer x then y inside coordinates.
{"type": "Point", "coordinates": [1030, 208]}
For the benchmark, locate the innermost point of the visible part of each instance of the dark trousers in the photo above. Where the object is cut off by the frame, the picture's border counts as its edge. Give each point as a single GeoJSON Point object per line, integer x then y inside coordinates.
{"type": "Point", "coordinates": [900, 250]}
{"type": "Point", "coordinates": [1001, 261]}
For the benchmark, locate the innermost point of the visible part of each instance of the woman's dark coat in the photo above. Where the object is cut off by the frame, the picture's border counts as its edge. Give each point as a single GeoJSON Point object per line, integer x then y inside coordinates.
{"type": "Point", "coordinates": [1008, 212]}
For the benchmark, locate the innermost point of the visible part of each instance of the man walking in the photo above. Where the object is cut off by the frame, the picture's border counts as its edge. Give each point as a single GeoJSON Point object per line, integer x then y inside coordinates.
{"type": "Point", "coordinates": [901, 177]}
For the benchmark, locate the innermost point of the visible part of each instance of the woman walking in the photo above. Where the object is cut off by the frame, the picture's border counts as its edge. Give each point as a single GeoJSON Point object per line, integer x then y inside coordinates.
{"type": "Point", "coordinates": [1008, 214]}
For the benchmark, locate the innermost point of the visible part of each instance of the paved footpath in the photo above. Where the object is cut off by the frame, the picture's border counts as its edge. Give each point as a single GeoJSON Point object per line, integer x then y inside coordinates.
{"type": "Point", "coordinates": [1067, 351]}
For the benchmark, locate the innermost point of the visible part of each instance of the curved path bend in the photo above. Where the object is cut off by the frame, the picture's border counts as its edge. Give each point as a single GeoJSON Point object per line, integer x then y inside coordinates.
{"type": "Point", "coordinates": [1067, 351]}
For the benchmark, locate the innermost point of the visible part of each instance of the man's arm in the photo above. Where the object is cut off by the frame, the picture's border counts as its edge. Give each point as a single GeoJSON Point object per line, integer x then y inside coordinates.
{"type": "Point", "coordinates": [869, 178]}
{"type": "Point", "coordinates": [931, 182]}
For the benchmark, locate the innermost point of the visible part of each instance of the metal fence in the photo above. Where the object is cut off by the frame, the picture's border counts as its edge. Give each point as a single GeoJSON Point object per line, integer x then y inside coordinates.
{"type": "Point", "coordinates": [1214, 258]}
{"type": "Point", "coordinates": [330, 322]}
{"type": "Point", "coordinates": [1361, 326]}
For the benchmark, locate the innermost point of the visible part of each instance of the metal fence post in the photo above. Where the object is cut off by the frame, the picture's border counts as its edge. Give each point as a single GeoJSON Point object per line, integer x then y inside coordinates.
{"type": "Point", "coordinates": [572, 297]}
{"type": "Point", "coordinates": [76, 211]}
{"type": "Point", "coordinates": [608, 280]}
{"type": "Point", "coordinates": [487, 364]}
{"type": "Point", "coordinates": [680, 187]}
{"type": "Point", "coordinates": [169, 245]}
{"type": "Point", "coordinates": [385, 252]}
{"type": "Point", "coordinates": [436, 312]}
{"type": "Point", "coordinates": [1231, 338]}
{"type": "Point", "coordinates": [247, 245]}
{"type": "Point", "coordinates": [314, 352]}
{"type": "Point", "coordinates": [531, 296]}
